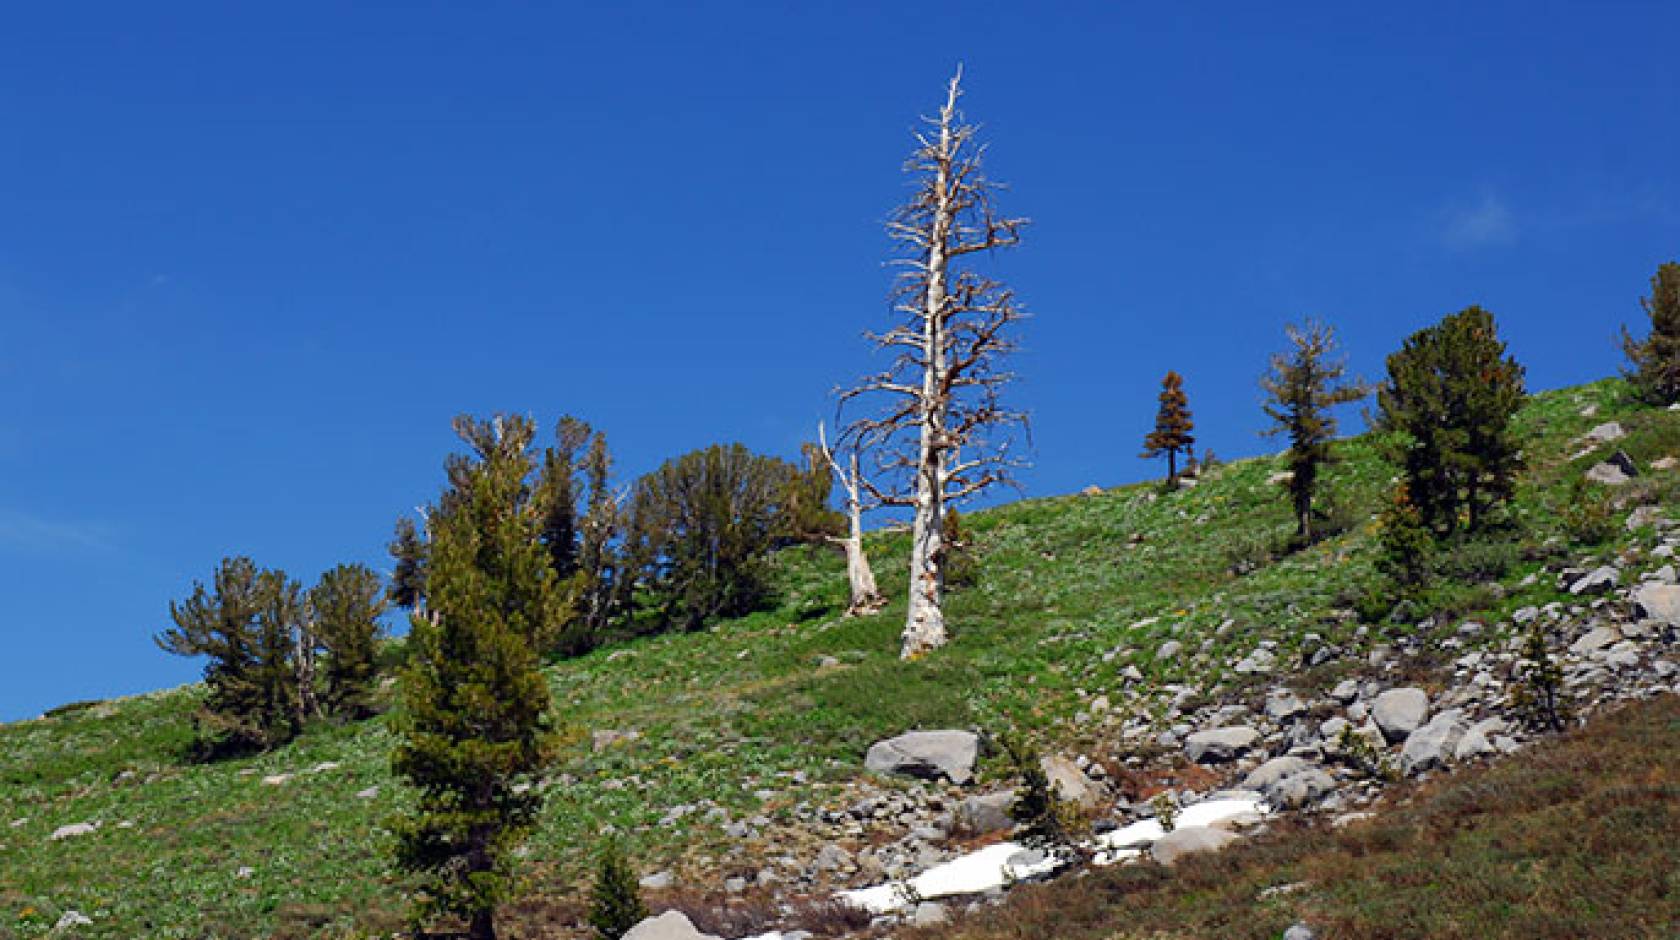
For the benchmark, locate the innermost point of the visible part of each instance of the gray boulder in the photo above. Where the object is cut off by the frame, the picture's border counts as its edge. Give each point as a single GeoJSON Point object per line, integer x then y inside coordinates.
{"type": "Point", "coordinates": [1178, 843]}
{"type": "Point", "coordinates": [1597, 581]}
{"type": "Point", "coordinates": [1220, 745]}
{"type": "Point", "coordinates": [1659, 602]}
{"type": "Point", "coordinates": [1300, 932]}
{"type": "Point", "coordinates": [1289, 782]}
{"type": "Point", "coordinates": [1071, 783]}
{"type": "Point", "coordinates": [671, 925]}
{"type": "Point", "coordinates": [1595, 639]}
{"type": "Point", "coordinates": [927, 754]}
{"type": "Point", "coordinates": [1399, 712]}
{"type": "Point", "coordinates": [1435, 744]}
{"type": "Point", "coordinates": [1605, 433]}
{"type": "Point", "coordinates": [988, 812]}
{"type": "Point", "coordinates": [1282, 705]}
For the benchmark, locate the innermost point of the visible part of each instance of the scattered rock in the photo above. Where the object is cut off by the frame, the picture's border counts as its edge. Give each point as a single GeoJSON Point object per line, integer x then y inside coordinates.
{"type": "Point", "coordinates": [1597, 581]}
{"type": "Point", "coordinates": [1617, 471]}
{"type": "Point", "coordinates": [1660, 602]}
{"type": "Point", "coordinates": [1220, 744]}
{"type": "Point", "coordinates": [1434, 744]}
{"type": "Point", "coordinates": [73, 830]}
{"type": "Point", "coordinates": [1594, 640]}
{"type": "Point", "coordinates": [1300, 932]}
{"type": "Point", "coordinates": [1173, 846]}
{"type": "Point", "coordinates": [1071, 783]}
{"type": "Point", "coordinates": [927, 754]}
{"type": "Point", "coordinates": [367, 794]}
{"type": "Point", "coordinates": [929, 914]}
{"type": "Point", "coordinates": [73, 918]}
{"type": "Point", "coordinates": [1604, 433]}
{"type": "Point", "coordinates": [601, 740]}
{"type": "Point", "coordinates": [1282, 705]}
{"type": "Point", "coordinates": [1169, 650]}
{"type": "Point", "coordinates": [988, 812]}
{"type": "Point", "coordinates": [832, 857]}
{"type": "Point", "coordinates": [671, 925]}
{"type": "Point", "coordinates": [658, 881]}
{"type": "Point", "coordinates": [275, 780]}
{"type": "Point", "coordinates": [1399, 712]}
{"type": "Point", "coordinates": [1644, 517]}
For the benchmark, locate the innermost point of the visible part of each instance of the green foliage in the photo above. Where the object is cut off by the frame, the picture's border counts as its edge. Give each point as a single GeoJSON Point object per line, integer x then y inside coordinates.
{"type": "Point", "coordinates": [344, 612]}
{"type": "Point", "coordinates": [476, 727]}
{"type": "Point", "coordinates": [1539, 698]}
{"type": "Point", "coordinates": [1166, 811]}
{"type": "Point", "coordinates": [1173, 426]}
{"type": "Point", "coordinates": [1589, 516]}
{"type": "Point", "coordinates": [1405, 544]}
{"type": "Point", "coordinates": [1046, 820]}
{"type": "Point", "coordinates": [408, 579]}
{"type": "Point", "coordinates": [617, 903]}
{"type": "Point", "coordinates": [1655, 361]}
{"type": "Point", "coordinates": [246, 625]}
{"type": "Point", "coordinates": [1451, 393]}
{"type": "Point", "coordinates": [1302, 388]}
{"type": "Point", "coordinates": [701, 527]}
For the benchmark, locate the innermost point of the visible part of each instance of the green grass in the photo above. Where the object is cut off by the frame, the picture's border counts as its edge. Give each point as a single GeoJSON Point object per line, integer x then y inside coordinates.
{"type": "Point", "coordinates": [741, 715]}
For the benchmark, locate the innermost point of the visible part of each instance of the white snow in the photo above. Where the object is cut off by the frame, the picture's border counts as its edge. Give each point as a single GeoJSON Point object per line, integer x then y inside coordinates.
{"type": "Point", "coordinates": [989, 867]}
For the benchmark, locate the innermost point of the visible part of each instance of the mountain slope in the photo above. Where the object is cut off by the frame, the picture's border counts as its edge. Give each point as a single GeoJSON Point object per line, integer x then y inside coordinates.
{"type": "Point", "coordinates": [763, 720]}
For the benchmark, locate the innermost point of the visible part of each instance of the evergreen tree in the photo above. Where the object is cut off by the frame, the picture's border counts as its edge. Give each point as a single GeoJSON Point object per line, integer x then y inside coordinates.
{"type": "Point", "coordinates": [559, 487]}
{"type": "Point", "coordinates": [598, 558]}
{"type": "Point", "coordinates": [408, 580]}
{"type": "Point", "coordinates": [477, 720]}
{"type": "Point", "coordinates": [245, 629]}
{"type": "Point", "coordinates": [1655, 375]}
{"type": "Point", "coordinates": [702, 525]}
{"type": "Point", "coordinates": [617, 905]}
{"type": "Point", "coordinates": [1450, 394]}
{"type": "Point", "coordinates": [1173, 426]}
{"type": "Point", "coordinates": [344, 610]}
{"type": "Point", "coordinates": [1301, 389]}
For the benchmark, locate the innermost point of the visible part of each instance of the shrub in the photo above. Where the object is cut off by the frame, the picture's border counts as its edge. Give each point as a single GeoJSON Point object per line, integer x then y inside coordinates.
{"type": "Point", "coordinates": [1589, 517]}
{"type": "Point", "coordinates": [617, 904]}
{"type": "Point", "coordinates": [1538, 699]}
{"type": "Point", "coordinates": [1047, 821]}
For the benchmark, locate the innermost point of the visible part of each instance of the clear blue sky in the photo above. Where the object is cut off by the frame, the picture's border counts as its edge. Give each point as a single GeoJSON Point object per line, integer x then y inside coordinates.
{"type": "Point", "coordinates": [253, 257]}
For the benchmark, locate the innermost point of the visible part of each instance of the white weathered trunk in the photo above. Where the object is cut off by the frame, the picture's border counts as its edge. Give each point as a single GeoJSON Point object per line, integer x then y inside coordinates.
{"type": "Point", "coordinates": [924, 627]}
{"type": "Point", "coordinates": [304, 667]}
{"type": "Point", "coordinates": [866, 597]}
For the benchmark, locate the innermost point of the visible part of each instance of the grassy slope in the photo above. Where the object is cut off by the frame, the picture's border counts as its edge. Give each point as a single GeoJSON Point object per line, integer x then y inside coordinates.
{"type": "Point", "coordinates": [727, 714]}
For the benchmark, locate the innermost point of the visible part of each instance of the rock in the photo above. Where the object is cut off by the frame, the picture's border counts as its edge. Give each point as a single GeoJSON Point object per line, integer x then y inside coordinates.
{"type": "Point", "coordinates": [605, 738]}
{"type": "Point", "coordinates": [275, 780]}
{"type": "Point", "coordinates": [1604, 433]}
{"type": "Point", "coordinates": [1289, 782]}
{"type": "Point", "coordinates": [324, 767]}
{"type": "Point", "coordinates": [1259, 661]}
{"type": "Point", "coordinates": [1617, 471]}
{"type": "Point", "coordinates": [1399, 712]}
{"type": "Point", "coordinates": [1434, 744]}
{"type": "Point", "coordinates": [1282, 705]}
{"type": "Point", "coordinates": [832, 857]}
{"type": "Point", "coordinates": [1595, 639]}
{"type": "Point", "coordinates": [671, 925]}
{"type": "Point", "coordinates": [1272, 771]}
{"type": "Point", "coordinates": [367, 794]}
{"type": "Point", "coordinates": [73, 830]}
{"type": "Point", "coordinates": [1220, 744]}
{"type": "Point", "coordinates": [658, 881]}
{"type": "Point", "coordinates": [1597, 581]}
{"type": "Point", "coordinates": [1300, 932]}
{"type": "Point", "coordinates": [1345, 691]}
{"type": "Point", "coordinates": [735, 885]}
{"type": "Point", "coordinates": [245, 871]}
{"type": "Point", "coordinates": [73, 918]}
{"type": "Point", "coordinates": [1173, 846]}
{"type": "Point", "coordinates": [1169, 649]}
{"type": "Point", "coordinates": [1660, 602]}
{"type": "Point", "coordinates": [1071, 783]}
{"type": "Point", "coordinates": [1478, 741]}
{"type": "Point", "coordinates": [929, 914]}
{"type": "Point", "coordinates": [988, 812]}
{"type": "Point", "coordinates": [927, 754]}
{"type": "Point", "coordinates": [1665, 463]}
{"type": "Point", "coordinates": [1643, 517]}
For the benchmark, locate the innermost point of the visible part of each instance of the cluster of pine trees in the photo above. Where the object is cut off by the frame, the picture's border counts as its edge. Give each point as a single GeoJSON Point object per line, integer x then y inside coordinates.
{"type": "Point", "coordinates": [278, 656]}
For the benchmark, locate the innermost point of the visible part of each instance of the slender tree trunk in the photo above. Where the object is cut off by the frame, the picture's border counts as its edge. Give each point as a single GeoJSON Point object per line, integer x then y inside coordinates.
{"type": "Point", "coordinates": [1172, 467]}
{"type": "Point", "coordinates": [307, 705]}
{"type": "Point", "coordinates": [866, 597]}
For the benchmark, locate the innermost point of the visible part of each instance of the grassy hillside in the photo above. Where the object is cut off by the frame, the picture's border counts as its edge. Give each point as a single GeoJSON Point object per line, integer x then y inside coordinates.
{"type": "Point", "coordinates": [754, 717]}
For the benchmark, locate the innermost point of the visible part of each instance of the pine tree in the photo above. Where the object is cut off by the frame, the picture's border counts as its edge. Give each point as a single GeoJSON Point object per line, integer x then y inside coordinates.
{"type": "Point", "coordinates": [408, 580]}
{"type": "Point", "coordinates": [243, 626]}
{"type": "Point", "coordinates": [344, 611]}
{"type": "Point", "coordinates": [476, 728]}
{"type": "Point", "coordinates": [1173, 426]}
{"type": "Point", "coordinates": [1450, 395]}
{"type": "Point", "coordinates": [1655, 375]}
{"type": "Point", "coordinates": [617, 905]}
{"type": "Point", "coordinates": [1302, 388]}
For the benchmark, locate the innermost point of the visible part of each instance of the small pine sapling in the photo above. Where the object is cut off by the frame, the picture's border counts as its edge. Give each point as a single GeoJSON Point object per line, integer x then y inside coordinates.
{"type": "Point", "coordinates": [1048, 822]}
{"type": "Point", "coordinates": [617, 904]}
{"type": "Point", "coordinates": [1538, 698]}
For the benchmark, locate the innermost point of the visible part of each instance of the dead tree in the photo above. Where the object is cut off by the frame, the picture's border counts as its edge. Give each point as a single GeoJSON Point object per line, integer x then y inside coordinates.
{"type": "Point", "coordinates": [944, 433]}
{"type": "Point", "coordinates": [866, 597]}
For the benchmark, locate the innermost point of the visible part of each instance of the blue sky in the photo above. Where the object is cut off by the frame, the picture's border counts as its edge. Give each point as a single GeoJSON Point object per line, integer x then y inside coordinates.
{"type": "Point", "coordinates": [253, 258]}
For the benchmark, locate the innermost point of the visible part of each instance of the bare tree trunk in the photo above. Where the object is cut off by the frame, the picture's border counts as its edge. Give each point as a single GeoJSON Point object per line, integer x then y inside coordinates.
{"type": "Point", "coordinates": [865, 596]}
{"type": "Point", "coordinates": [304, 664]}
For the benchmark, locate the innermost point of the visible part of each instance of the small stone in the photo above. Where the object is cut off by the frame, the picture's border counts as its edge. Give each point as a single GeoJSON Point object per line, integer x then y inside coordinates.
{"type": "Point", "coordinates": [658, 881]}
{"type": "Point", "coordinates": [71, 919]}
{"type": "Point", "coordinates": [1300, 932]}
{"type": "Point", "coordinates": [1169, 650]}
{"type": "Point", "coordinates": [929, 914]}
{"type": "Point", "coordinates": [274, 780]}
{"type": "Point", "coordinates": [73, 830]}
{"type": "Point", "coordinates": [1434, 744]}
{"type": "Point", "coordinates": [1173, 846]}
{"type": "Point", "coordinates": [1220, 745]}
{"type": "Point", "coordinates": [367, 794]}
{"type": "Point", "coordinates": [1597, 581]}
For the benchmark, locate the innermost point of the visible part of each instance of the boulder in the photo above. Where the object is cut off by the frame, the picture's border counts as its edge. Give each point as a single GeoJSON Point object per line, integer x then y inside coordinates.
{"type": "Point", "coordinates": [1071, 784]}
{"type": "Point", "coordinates": [1597, 581]}
{"type": "Point", "coordinates": [1434, 744]}
{"type": "Point", "coordinates": [1644, 517]}
{"type": "Point", "coordinates": [987, 812]}
{"type": "Point", "coordinates": [1399, 712]}
{"type": "Point", "coordinates": [1272, 771]}
{"type": "Point", "coordinates": [927, 754]}
{"type": "Point", "coordinates": [1289, 782]}
{"type": "Point", "coordinates": [1173, 846]}
{"type": "Point", "coordinates": [1220, 745]}
{"type": "Point", "coordinates": [73, 830]}
{"type": "Point", "coordinates": [929, 914]}
{"type": "Point", "coordinates": [671, 925]}
{"type": "Point", "coordinates": [1605, 433]}
{"type": "Point", "coordinates": [1282, 705]}
{"type": "Point", "coordinates": [1594, 640]}
{"type": "Point", "coordinates": [1617, 471]}
{"type": "Point", "coordinates": [1478, 740]}
{"type": "Point", "coordinates": [1660, 602]}
{"type": "Point", "coordinates": [658, 881]}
